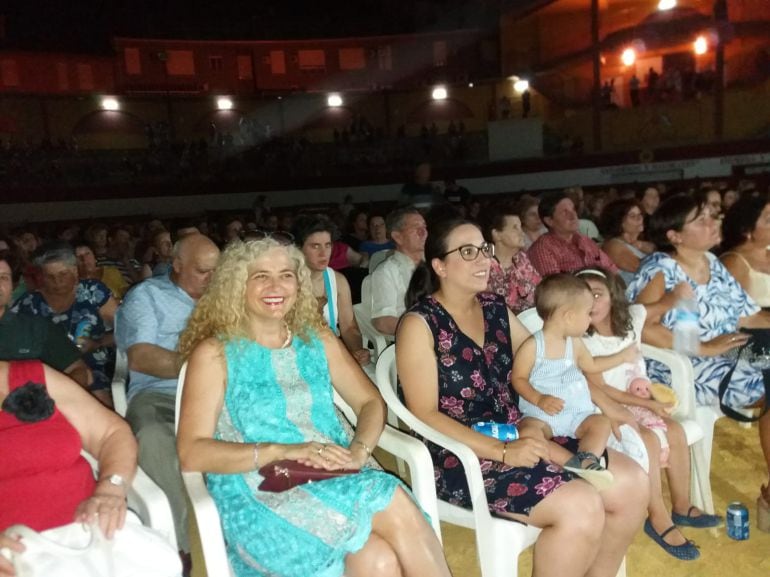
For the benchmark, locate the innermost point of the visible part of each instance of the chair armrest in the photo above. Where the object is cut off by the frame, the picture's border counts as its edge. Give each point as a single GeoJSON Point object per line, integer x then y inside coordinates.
{"type": "Point", "coordinates": [146, 499]}
{"type": "Point", "coordinates": [368, 332]}
{"type": "Point", "coordinates": [417, 457]}
{"type": "Point", "coordinates": [119, 383]}
{"type": "Point", "coordinates": [682, 377]}
{"type": "Point", "coordinates": [151, 504]}
{"type": "Point", "coordinates": [467, 457]}
{"type": "Point", "coordinates": [209, 525]}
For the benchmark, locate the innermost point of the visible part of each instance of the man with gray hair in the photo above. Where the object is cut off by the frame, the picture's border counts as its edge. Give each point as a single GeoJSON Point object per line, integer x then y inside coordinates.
{"type": "Point", "coordinates": [408, 231]}
{"type": "Point", "coordinates": [149, 322]}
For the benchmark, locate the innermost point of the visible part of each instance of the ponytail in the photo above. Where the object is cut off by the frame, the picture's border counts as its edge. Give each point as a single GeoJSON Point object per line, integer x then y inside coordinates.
{"type": "Point", "coordinates": [423, 283]}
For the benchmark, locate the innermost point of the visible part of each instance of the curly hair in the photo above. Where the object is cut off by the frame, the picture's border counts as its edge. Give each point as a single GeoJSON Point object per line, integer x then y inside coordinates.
{"type": "Point", "coordinates": [620, 314]}
{"type": "Point", "coordinates": [221, 311]}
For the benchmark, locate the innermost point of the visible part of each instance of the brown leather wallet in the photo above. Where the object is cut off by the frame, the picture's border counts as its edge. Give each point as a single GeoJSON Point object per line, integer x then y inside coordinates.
{"type": "Point", "coordinates": [286, 474]}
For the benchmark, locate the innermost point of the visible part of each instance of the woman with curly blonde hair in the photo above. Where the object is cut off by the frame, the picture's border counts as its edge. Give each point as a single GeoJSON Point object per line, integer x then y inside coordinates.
{"type": "Point", "coordinates": [258, 390]}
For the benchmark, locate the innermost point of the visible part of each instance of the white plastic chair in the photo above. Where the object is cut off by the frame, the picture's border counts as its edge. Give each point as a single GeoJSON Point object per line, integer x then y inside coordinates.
{"type": "Point", "coordinates": [412, 451]}
{"type": "Point", "coordinates": [694, 421]}
{"type": "Point", "coordinates": [499, 542]}
{"type": "Point", "coordinates": [363, 313]}
{"type": "Point", "coordinates": [120, 382]}
{"type": "Point", "coordinates": [147, 500]}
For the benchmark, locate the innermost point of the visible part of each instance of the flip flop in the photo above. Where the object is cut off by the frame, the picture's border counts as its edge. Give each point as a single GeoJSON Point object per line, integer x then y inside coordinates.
{"type": "Point", "coordinates": [702, 521]}
{"type": "Point", "coordinates": [686, 552]}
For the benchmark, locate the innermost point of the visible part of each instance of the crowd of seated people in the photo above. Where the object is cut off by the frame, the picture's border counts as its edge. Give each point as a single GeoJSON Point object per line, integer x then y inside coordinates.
{"type": "Point", "coordinates": [449, 289]}
{"type": "Point", "coordinates": [232, 156]}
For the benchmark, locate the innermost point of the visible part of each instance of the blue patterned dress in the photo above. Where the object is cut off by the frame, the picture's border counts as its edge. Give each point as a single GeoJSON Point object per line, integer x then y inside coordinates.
{"type": "Point", "coordinates": [474, 384]}
{"type": "Point", "coordinates": [90, 296]}
{"type": "Point", "coordinates": [285, 396]}
{"type": "Point", "coordinates": [721, 303]}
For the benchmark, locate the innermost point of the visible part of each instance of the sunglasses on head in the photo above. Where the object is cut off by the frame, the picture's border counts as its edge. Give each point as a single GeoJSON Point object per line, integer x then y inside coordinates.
{"type": "Point", "coordinates": [280, 236]}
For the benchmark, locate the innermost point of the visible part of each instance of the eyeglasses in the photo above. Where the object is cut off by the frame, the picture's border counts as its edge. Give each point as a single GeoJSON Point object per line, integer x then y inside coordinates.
{"type": "Point", "coordinates": [470, 252]}
{"type": "Point", "coordinates": [280, 236]}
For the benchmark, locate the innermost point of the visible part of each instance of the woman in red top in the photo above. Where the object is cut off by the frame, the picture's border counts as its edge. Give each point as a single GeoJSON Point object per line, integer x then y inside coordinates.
{"type": "Point", "coordinates": [45, 421]}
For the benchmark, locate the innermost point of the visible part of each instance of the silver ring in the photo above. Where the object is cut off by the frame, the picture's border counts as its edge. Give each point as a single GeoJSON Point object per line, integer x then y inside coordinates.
{"type": "Point", "coordinates": [321, 449]}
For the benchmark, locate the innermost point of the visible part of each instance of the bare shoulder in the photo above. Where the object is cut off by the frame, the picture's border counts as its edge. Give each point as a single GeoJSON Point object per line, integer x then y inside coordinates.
{"type": "Point", "coordinates": [733, 261]}
{"type": "Point", "coordinates": [413, 326]}
{"type": "Point", "coordinates": [341, 280]}
{"type": "Point", "coordinates": [331, 343]}
{"type": "Point", "coordinates": [208, 349]}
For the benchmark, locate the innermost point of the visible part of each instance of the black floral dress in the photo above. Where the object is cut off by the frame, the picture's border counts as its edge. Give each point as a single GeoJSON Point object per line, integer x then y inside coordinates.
{"type": "Point", "coordinates": [474, 385]}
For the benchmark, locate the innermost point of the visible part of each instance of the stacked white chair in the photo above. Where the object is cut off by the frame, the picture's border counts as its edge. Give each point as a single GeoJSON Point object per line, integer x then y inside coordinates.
{"type": "Point", "coordinates": [412, 451]}
{"type": "Point", "coordinates": [697, 422]}
{"type": "Point", "coordinates": [147, 501]}
{"type": "Point", "coordinates": [363, 313]}
{"type": "Point", "coordinates": [499, 542]}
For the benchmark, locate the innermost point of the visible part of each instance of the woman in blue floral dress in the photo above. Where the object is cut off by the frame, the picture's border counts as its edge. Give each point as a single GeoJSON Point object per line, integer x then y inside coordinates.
{"type": "Point", "coordinates": [85, 309]}
{"type": "Point", "coordinates": [687, 231]}
{"type": "Point", "coordinates": [454, 350]}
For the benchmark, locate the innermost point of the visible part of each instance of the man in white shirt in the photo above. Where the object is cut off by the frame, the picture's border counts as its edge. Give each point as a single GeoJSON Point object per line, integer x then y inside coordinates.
{"type": "Point", "coordinates": [408, 231]}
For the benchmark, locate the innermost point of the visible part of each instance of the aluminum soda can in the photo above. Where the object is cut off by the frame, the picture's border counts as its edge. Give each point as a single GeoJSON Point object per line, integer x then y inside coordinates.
{"type": "Point", "coordinates": [500, 431]}
{"type": "Point", "coordinates": [737, 521]}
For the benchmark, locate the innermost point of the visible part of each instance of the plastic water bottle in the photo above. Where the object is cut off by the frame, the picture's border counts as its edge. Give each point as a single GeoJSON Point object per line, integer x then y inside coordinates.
{"type": "Point", "coordinates": [501, 431]}
{"type": "Point", "coordinates": [687, 327]}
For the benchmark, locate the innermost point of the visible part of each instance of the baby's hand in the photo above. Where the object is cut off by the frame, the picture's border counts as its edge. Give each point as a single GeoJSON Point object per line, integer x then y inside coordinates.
{"type": "Point", "coordinates": [551, 405]}
{"type": "Point", "coordinates": [631, 353]}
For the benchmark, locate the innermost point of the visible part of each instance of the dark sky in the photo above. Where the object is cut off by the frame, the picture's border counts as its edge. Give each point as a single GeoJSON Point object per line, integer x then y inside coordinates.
{"type": "Point", "coordinates": [88, 25]}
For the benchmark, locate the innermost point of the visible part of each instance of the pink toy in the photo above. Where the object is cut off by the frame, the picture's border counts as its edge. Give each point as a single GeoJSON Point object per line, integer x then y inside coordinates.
{"type": "Point", "coordinates": [640, 386]}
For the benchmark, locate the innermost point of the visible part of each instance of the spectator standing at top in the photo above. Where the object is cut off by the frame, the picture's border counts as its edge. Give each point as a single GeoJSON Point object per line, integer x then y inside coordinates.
{"type": "Point", "coordinates": [633, 90]}
{"type": "Point", "coordinates": [563, 248]}
{"type": "Point", "coordinates": [420, 192]}
{"type": "Point", "coordinates": [526, 103]}
{"type": "Point", "coordinates": [505, 107]}
{"type": "Point", "coordinates": [652, 82]}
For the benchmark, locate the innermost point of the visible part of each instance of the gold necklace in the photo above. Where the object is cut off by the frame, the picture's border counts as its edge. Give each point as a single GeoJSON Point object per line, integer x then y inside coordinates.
{"type": "Point", "coordinates": [287, 342]}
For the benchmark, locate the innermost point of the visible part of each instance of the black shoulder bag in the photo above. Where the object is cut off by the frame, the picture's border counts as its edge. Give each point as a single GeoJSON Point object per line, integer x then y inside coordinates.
{"type": "Point", "coordinates": [757, 345]}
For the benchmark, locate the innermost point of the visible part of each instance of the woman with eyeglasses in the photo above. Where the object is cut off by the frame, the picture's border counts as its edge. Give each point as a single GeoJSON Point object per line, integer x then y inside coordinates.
{"type": "Point", "coordinates": [511, 274]}
{"type": "Point", "coordinates": [454, 350]}
{"type": "Point", "coordinates": [622, 224]}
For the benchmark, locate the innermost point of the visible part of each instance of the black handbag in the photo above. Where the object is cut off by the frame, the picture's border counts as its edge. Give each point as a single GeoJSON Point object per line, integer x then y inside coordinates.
{"type": "Point", "coordinates": [757, 346]}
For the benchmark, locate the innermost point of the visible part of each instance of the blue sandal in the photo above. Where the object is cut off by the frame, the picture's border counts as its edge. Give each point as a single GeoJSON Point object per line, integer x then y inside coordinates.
{"type": "Point", "coordinates": [702, 521]}
{"type": "Point", "coordinates": [686, 552]}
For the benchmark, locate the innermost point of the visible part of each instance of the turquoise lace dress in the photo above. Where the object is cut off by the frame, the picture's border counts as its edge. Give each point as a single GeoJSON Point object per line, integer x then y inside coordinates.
{"type": "Point", "coordinates": [285, 396]}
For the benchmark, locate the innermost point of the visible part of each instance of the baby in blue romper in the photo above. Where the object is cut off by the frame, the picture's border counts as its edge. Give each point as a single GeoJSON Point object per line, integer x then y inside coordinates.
{"type": "Point", "coordinates": [548, 376]}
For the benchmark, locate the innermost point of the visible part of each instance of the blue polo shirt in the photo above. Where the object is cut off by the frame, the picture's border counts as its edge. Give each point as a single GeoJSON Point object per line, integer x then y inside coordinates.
{"type": "Point", "coordinates": [154, 312]}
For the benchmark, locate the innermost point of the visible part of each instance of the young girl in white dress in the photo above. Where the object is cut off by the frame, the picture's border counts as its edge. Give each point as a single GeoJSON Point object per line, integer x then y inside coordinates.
{"type": "Point", "coordinates": [615, 324]}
